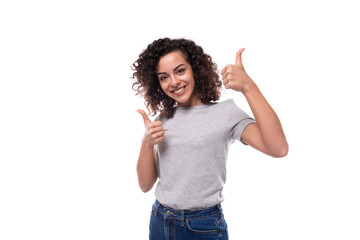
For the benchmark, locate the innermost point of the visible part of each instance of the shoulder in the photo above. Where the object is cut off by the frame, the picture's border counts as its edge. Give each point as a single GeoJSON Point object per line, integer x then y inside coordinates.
{"type": "Point", "coordinates": [231, 109]}
{"type": "Point", "coordinates": [229, 101]}
{"type": "Point", "coordinates": [224, 109]}
{"type": "Point", "coordinates": [227, 104]}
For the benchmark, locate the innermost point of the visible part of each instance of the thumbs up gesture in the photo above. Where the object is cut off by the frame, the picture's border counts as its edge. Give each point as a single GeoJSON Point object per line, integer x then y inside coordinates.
{"type": "Point", "coordinates": [154, 132]}
{"type": "Point", "coordinates": [234, 75]}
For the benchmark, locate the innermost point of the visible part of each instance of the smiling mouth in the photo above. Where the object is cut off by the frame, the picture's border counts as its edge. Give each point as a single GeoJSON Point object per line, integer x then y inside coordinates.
{"type": "Point", "coordinates": [180, 91]}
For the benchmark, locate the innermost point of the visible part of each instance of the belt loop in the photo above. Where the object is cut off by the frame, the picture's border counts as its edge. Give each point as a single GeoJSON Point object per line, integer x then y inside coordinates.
{"type": "Point", "coordinates": [182, 218]}
{"type": "Point", "coordinates": [156, 208]}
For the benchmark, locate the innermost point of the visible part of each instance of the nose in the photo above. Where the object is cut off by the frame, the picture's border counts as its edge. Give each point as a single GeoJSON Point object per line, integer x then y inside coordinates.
{"type": "Point", "coordinates": [175, 82]}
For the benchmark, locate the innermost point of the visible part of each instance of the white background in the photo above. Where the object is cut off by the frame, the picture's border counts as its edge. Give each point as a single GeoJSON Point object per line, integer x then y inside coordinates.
{"type": "Point", "coordinates": [70, 134]}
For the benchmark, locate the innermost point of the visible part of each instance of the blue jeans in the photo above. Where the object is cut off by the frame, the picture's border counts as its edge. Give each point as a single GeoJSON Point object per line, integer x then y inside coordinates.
{"type": "Point", "coordinates": [170, 224]}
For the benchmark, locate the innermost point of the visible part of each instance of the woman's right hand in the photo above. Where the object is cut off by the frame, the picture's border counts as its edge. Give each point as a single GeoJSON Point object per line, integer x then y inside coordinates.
{"type": "Point", "coordinates": [154, 132]}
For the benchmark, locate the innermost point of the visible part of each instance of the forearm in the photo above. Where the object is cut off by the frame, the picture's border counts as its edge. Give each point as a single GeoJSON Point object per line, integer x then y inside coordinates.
{"type": "Point", "coordinates": [268, 122]}
{"type": "Point", "coordinates": [146, 167]}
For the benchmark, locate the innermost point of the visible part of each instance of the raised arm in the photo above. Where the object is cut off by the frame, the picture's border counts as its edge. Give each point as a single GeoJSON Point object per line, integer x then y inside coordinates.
{"type": "Point", "coordinates": [146, 166]}
{"type": "Point", "coordinates": [266, 135]}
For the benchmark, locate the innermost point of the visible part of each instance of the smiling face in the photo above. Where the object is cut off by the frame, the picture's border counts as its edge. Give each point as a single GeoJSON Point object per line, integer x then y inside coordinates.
{"type": "Point", "coordinates": [177, 79]}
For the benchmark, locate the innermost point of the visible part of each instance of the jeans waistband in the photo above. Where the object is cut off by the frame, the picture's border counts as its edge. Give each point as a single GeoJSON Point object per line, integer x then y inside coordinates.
{"type": "Point", "coordinates": [186, 213]}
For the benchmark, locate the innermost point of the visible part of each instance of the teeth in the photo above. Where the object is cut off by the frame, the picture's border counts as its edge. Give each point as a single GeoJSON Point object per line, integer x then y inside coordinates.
{"type": "Point", "coordinates": [180, 90]}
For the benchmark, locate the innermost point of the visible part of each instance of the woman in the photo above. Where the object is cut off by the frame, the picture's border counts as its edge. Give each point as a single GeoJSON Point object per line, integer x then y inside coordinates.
{"type": "Point", "coordinates": [186, 146]}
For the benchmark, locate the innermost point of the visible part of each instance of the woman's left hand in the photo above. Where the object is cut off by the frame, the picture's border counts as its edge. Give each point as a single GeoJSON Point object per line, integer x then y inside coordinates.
{"type": "Point", "coordinates": [234, 75]}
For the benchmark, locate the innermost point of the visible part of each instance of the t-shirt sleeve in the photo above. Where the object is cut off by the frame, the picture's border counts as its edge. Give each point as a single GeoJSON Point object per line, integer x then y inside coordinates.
{"type": "Point", "coordinates": [240, 119]}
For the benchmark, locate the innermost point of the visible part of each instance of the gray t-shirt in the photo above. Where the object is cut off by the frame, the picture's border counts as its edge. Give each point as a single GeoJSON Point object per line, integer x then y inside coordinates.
{"type": "Point", "coordinates": [191, 160]}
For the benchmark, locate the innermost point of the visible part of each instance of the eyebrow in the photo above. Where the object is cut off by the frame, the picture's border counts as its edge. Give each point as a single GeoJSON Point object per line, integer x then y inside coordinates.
{"type": "Point", "coordinates": [173, 70]}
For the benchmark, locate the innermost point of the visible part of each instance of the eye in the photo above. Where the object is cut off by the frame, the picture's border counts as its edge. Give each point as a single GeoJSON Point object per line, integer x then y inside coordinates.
{"type": "Point", "coordinates": [162, 78]}
{"type": "Point", "coordinates": [181, 71]}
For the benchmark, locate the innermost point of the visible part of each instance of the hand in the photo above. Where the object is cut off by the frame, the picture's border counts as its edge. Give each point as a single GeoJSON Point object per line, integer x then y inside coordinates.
{"type": "Point", "coordinates": [154, 132]}
{"type": "Point", "coordinates": [234, 76]}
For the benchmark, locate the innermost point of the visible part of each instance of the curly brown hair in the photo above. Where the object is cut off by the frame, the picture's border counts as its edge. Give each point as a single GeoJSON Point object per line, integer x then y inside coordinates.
{"type": "Point", "coordinates": [207, 83]}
